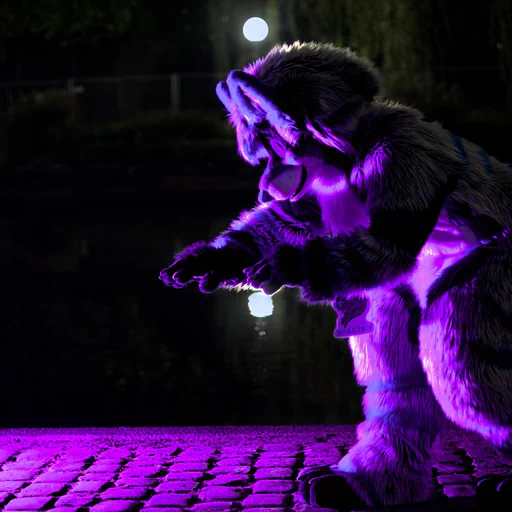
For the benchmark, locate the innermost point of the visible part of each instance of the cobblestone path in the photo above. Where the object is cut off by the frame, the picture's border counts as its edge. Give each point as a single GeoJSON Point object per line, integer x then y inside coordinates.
{"type": "Point", "coordinates": [174, 469]}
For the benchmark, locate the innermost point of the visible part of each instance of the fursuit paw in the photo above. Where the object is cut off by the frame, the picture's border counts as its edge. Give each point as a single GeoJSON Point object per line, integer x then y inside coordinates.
{"type": "Point", "coordinates": [494, 487]}
{"type": "Point", "coordinates": [323, 486]}
{"type": "Point", "coordinates": [263, 277]}
{"type": "Point", "coordinates": [282, 268]}
{"type": "Point", "coordinates": [208, 266]}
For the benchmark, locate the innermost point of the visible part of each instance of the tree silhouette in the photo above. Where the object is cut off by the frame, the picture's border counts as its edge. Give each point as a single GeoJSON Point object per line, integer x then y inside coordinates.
{"type": "Point", "coordinates": [70, 20]}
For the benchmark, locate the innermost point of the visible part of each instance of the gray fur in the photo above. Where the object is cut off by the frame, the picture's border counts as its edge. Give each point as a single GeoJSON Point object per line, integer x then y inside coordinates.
{"type": "Point", "coordinates": [412, 210]}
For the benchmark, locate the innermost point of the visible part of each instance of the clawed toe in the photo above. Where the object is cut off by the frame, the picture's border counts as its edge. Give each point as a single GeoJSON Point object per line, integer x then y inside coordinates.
{"type": "Point", "coordinates": [505, 487]}
{"type": "Point", "coordinates": [495, 486]}
{"type": "Point", "coordinates": [307, 474]}
{"type": "Point", "coordinates": [322, 487]}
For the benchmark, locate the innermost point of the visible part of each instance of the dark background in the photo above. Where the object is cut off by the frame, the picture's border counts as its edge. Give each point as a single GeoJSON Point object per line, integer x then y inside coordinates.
{"type": "Point", "coordinates": [115, 154]}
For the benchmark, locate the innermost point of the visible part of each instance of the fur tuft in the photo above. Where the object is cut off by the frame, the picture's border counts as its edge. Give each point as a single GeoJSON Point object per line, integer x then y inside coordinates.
{"type": "Point", "coordinates": [313, 80]}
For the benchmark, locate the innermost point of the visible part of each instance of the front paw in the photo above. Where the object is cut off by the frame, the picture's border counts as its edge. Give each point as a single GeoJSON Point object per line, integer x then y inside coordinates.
{"type": "Point", "coordinates": [262, 276]}
{"type": "Point", "coordinates": [191, 263]}
{"type": "Point", "coordinates": [209, 267]}
{"type": "Point", "coordinates": [282, 268]}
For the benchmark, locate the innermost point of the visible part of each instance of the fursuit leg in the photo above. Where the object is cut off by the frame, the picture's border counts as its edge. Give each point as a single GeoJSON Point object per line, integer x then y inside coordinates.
{"type": "Point", "coordinates": [390, 463]}
{"type": "Point", "coordinates": [466, 347]}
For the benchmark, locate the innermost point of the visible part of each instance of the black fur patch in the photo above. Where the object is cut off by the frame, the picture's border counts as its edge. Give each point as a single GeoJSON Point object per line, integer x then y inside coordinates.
{"type": "Point", "coordinates": [263, 231]}
{"type": "Point", "coordinates": [362, 272]}
{"type": "Point", "coordinates": [323, 276]}
{"type": "Point", "coordinates": [456, 275]}
{"type": "Point", "coordinates": [463, 272]}
{"type": "Point", "coordinates": [498, 312]}
{"type": "Point", "coordinates": [414, 309]}
{"type": "Point", "coordinates": [338, 159]}
{"type": "Point", "coordinates": [288, 262]}
{"type": "Point", "coordinates": [295, 71]}
{"type": "Point", "coordinates": [245, 240]}
{"type": "Point", "coordinates": [317, 270]}
{"type": "Point", "coordinates": [483, 226]}
{"type": "Point", "coordinates": [407, 230]}
{"type": "Point", "coordinates": [491, 356]}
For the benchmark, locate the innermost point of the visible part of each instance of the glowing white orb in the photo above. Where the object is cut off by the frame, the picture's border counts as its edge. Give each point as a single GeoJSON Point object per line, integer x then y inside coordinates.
{"type": "Point", "coordinates": [255, 29]}
{"type": "Point", "coordinates": [260, 305]}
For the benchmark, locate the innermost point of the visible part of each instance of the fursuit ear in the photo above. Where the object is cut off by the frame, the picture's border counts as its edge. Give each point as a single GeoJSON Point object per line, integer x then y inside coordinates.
{"type": "Point", "coordinates": [253, 99]}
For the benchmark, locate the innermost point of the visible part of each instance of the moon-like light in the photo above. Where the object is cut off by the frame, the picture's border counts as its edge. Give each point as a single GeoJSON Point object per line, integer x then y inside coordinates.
{"type": "Point", "coordinates": [255, 29]}
{"type": "Point", "coordinates": [260, 305]}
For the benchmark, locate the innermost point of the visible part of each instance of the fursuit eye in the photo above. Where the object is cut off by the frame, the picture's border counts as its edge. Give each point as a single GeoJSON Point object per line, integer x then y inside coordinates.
{"type": "Point", "coordinates": [279, 148]}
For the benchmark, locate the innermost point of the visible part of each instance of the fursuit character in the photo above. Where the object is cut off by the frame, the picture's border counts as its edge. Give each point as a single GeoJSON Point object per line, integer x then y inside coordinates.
{"type": "Point", "coordinates": [364, 203]}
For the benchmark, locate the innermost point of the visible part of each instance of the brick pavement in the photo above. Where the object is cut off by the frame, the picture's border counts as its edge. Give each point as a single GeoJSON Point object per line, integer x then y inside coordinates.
{"type": "Point", "coordinates": [200, 469]}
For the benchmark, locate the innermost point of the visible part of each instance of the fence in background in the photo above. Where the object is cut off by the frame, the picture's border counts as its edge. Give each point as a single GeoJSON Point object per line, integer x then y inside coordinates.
{"type": "Point", "coordinates": [120, 97]}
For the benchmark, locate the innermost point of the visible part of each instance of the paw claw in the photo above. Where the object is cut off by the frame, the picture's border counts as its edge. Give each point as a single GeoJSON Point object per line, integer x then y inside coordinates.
{"type": "Point", "coordinates": [333, 491]}
{"type": "Point", "coordinates": [208, 284]}
{"type": "Point", "coordinates": [180, 278]}
{"type": "Point", "coordinates": [322, 487]}
{"type": "Point", "coordinates": [310, 472]}
{"type": "Point", "coordinates": [505, 487]}
{"type": "Point", "coordinates": [303, 493]}
{"type": "Point", "coordinates": [166, 278]}
{"type": "Point", "coordinates": [494, 486]}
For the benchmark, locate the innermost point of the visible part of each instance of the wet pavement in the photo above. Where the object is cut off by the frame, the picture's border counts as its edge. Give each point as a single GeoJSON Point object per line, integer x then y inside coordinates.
{"type": "Point", "coordinates": [175, 469]}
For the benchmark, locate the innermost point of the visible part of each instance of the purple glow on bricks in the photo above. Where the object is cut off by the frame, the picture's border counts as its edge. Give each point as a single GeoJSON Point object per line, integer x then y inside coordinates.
{"type": "Point", "coordinates": [18, 504]}
{"type": "Point", "coordinates": [258, 487]}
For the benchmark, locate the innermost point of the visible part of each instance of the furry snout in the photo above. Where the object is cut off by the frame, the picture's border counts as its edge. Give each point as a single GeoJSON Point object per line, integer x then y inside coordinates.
{"type": "Point", "coordinates": [282, 182]}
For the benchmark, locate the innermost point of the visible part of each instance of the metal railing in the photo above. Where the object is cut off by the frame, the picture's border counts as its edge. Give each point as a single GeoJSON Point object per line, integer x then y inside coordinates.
{"type": "Point", "coordinates": [120, 97]}
{"type": "Point", "coordinates": [107, 98]}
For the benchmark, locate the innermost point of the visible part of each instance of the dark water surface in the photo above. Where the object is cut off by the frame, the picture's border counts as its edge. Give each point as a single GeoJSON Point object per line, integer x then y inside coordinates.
{"type": "Point", "coordinates": [91, 337]}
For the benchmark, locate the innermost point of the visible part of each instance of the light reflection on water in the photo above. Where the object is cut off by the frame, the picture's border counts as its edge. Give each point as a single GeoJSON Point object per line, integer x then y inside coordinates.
{"type": "Point", "coordinates": [91, 336]}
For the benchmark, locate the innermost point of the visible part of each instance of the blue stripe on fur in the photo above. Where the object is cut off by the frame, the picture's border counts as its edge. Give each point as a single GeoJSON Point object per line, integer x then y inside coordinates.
{"type": "Point", "coordinates": [459, 146]}
{"type": "Point", "coordinates": [400, 383]}
{"type": "Point", "coordinates": [486, 160]}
